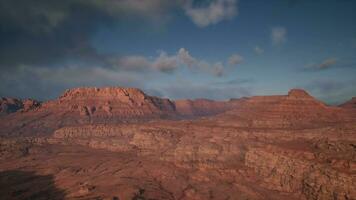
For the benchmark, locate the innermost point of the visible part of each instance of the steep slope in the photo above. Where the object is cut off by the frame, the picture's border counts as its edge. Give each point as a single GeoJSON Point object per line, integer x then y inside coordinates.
{"type": "Point", "coordinates": [296, 110]}
{"type": "Point", "coordinates": [108, 105]}
{"type": "Point", "coordinates": [11, 105]}
{"type": "Point", "coordinates": [88, 106]}
{"type": "Point", "coordinates": [349, 104]}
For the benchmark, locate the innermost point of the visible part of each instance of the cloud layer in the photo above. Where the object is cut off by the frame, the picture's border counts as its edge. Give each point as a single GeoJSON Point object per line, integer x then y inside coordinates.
{"type": "Point", "coordinates": [325, 64]}
{"type": "Point", "coordinates": [214, 12]}
{"type": "Point", "coordinates": [45, 33]}
{"type": "Point", "coordinates": [278, 35]}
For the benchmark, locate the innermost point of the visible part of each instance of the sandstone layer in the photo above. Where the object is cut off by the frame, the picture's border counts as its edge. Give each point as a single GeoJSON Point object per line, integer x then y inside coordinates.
{"type": "Point", "coordinates": [267, 147]}
{"type": "Point", "coordinates": [351, 104]}
{"type": "Point", "coordinates": [99, 106]}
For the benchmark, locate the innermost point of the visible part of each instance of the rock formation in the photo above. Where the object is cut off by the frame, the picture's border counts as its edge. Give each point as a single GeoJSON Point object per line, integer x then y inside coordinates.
{"type": "Point", "coordinates": [349, 104]}
{"type": "Point", "coordinates": [12, 105]}
{"type": "Point", "coordinates": [265, 147]}
{"type": "Point", "coordinates": [102, 106]}
{"type": "Point", "coordinates": [296, 110]}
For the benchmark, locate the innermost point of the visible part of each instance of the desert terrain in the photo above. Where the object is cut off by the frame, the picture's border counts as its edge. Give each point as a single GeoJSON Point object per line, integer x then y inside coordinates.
{"type": "Point", "coordinates": [120, 143]}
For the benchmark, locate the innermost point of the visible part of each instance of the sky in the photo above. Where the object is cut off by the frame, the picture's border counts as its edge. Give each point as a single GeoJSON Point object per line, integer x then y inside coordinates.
{"type": "Point", "coordinates": [216, 49]}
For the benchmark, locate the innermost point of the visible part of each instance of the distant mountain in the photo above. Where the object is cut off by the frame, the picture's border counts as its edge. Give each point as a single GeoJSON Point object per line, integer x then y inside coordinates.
{"type": "Point", "coordinates": [296, 110]}
{"type": "Point", "coordinates": [91, 105]}
{"type": "Point", "coordinates": [349, 104]}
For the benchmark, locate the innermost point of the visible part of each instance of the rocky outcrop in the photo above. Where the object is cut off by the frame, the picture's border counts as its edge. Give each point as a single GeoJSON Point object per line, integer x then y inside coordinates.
{"type": "Point", "coordinates": [108, 105]}
{"type": "Point", "coordinates": [315, 163]}
{"type": "Point", "coordinates": [9, 105]}
{"type": "Point", "coordinates": [12, 105]}
{"type": "Point", "coordinates": [349, 104]}
{"type": "Point", "coordinates": [88, 106]}
{"type": "Point", "coordinates": [294, 171]}
{"type": "Point", "coordinates": [296, 110]}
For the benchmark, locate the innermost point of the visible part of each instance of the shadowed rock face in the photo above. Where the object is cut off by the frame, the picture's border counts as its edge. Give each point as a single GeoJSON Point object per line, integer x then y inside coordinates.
{"type": "Point", "coordinates": [349, 104]}
{"type": "Point", "coordinates": [266, 147]}
{"type": "Point", "coordinates": [24, 185]}
{"type": "Point", "coordinates": [12, 105]}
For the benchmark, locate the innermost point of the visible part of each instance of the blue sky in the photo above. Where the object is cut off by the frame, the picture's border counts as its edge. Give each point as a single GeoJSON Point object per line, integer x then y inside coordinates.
{"type": "Point", "coordinates": [216, 49]}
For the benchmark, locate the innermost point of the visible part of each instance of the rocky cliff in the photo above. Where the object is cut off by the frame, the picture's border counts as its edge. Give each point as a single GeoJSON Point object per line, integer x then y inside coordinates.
{"type": "Point", "coordinates": [12, 105]}
{"type": "Point", "coordinates": [266, 147]}
{"type": "Point", "coordinates": [296, 110]}
{"type": "Point", "coordinates": [349, 104]}
{"type": "Point", "coordinates": [88, 106]}
{"type": "Point", "coordinates": [99, 106]}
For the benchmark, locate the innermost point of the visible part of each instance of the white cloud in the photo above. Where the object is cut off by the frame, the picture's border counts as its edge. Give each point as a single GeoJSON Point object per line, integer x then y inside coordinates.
{"type": "Point", "coordinates": [325, 64]}
{"type": "Point", "coordinates": [186, 58]}
{"type": "Point", "coordinates": [47, 82]}
{"type": "Point", "coordinates": [133, 63]}
{"type": "Point", "coordinates": [168, 63]}
{"type": "Point", "coordinates": [215, 69]}
{"type": "Point", "coordinates": [235, 59]}
{"type": "Point", "coordinates": [258, 50]}
{"type": "Point", "coordinates": [213, 13]}
{"type": "Point", "coordinates": [165, 63]}
{"type": "Point", "coordinates": [218, 69]}
{"type": "Point", "coordinates": [278, 35]}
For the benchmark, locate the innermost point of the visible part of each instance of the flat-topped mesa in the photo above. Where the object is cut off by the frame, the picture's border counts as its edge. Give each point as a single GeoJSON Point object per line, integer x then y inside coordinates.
{"type": "Point", "coordinates": [301, 95]}
{"type": "Point", "coordinates": [110, 105]}
{"type": "Point", "coordinates": [113, 100]}
{"type": "Point", "coordinates": [127, 95]}
{"type": "Point", "coordinates": [295, 110]}
{"type": "Point", "coordinates": [298, 93]}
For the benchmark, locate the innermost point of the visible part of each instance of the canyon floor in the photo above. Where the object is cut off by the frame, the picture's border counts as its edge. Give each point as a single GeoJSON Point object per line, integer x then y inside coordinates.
{"type": "Point", "coordinates": [121, 144]}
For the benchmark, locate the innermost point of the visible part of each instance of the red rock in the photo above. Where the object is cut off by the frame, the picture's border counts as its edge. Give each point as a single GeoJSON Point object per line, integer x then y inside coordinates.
{"type": "Point", "coordinates": [349, 104]}
{"type": "Point", "coordinates": [11, 105]}
{"type": "Point", "coordinates": [266, 147]}
{"type": "Point", "coordinates": [296, 110]}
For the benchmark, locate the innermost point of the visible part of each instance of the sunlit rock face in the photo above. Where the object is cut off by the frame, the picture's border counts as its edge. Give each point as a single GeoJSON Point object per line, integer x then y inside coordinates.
{"type": "Point", "coordinates": [89, 106]}
{"type": "Point", "coordinates": [296, 110]}
{"type": "Point", "coordinates": [109, 105]}
{"type": "Point", "coordinates": [119, 143]}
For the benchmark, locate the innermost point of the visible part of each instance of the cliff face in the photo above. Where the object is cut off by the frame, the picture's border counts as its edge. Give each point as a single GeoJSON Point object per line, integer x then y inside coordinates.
{"type": "Point", "coordinates": [296, 110]}
{"type": "Point", "coordinates": [120, 103]}
{"type": "Point", "coordinates": [302, 164]}
{"type": "Point", "coordinates": [12, 105]}
{"type": "Point", "coordinates": [88, 106]}
{"type": "Point", "coordinates": [99, 106]}
{"type": "Point", "coordinates": [351, 104]}
{"type": "Point", "coordinates": [267, 147]}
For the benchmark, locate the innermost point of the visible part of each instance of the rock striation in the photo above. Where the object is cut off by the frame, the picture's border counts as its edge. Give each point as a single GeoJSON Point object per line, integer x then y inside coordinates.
{"type": "Point", "coordinates": [108, 105]}
{"type": "Point", "coordinates": [88, 106]}
{"type": "Point", "coordinates": [265, 147]}
{"type": "Point", "coordinates": [296, 110]}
